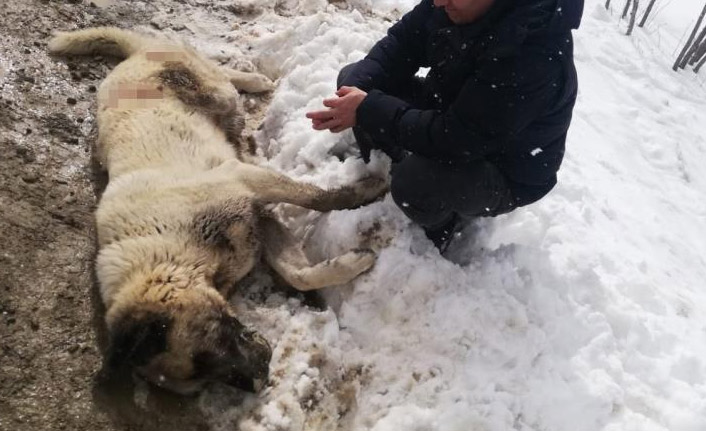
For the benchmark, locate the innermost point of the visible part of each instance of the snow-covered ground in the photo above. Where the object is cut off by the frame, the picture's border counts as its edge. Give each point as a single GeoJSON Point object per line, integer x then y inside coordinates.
{"type": "Point", "coordinates": [669, 24]}
{"type": "Point", "coordinates": [585, 311]}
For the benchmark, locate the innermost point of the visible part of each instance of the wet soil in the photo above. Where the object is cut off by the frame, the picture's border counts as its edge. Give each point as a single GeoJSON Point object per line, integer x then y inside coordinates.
{"type": "Point", "coordinates": [51, 331]}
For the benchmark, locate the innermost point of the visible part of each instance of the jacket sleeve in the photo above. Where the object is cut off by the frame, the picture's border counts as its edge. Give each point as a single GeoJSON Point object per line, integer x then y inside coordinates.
{"type": "Point", "coordinates": [499, 101]}
{"type": "Point", "coordinates": [396, 56]}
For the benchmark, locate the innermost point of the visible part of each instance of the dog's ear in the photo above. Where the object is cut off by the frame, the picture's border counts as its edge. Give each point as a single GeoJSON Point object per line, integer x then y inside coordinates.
{"type": "Point", "coordinates": [136, 338]}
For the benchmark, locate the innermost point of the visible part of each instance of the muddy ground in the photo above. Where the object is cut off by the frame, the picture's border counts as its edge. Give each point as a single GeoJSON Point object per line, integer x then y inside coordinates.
{"type": "Point", "coordinates": [51, 334]}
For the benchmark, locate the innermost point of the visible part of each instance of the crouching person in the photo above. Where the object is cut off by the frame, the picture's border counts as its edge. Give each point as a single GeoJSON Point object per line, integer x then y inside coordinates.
{"type": "Point", "coordinates": [484, 132]}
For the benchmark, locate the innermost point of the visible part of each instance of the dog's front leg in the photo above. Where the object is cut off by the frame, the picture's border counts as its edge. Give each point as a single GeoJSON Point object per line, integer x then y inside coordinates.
{"type": "Point", "coordinates": [268, 186]}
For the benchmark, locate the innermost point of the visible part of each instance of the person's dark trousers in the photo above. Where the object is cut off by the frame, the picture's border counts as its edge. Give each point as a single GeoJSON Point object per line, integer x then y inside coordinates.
{"type": "Point", "coordinates": [438, 195]}
{"type": "Point", "coordinates": [434, 193]}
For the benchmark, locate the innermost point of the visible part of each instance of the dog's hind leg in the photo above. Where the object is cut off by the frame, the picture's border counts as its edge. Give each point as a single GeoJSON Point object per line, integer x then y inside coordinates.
{"type": "Point", "coordinates": [286, 257]}
{"type": "Point", "coordinates": [269, 186]}
{"type": "Point", "coordinates": [101, 40]}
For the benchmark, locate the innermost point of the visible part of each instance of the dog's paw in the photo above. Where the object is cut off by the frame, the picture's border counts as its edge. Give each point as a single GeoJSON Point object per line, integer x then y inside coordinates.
{"type": "Point", "coordinates": [370, 188]}
{"type": "Point", "coordinates": [356, 262]}
{"type": "Point", "coordinates": [333, 272]}
{"type": "Point", "coordinates": [256, 83]}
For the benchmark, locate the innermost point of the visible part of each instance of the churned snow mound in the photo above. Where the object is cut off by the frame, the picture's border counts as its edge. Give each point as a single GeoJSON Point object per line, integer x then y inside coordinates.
{"type": "Point", "coordinates": [585, 311]}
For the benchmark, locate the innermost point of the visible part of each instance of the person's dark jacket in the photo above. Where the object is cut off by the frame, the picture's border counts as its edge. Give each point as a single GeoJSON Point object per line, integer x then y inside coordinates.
{"type": "Point", "coordinates": [501, 88]}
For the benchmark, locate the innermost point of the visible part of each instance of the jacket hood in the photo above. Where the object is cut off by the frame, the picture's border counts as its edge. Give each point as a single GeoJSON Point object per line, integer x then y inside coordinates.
{"type": "Point", "coordinates": [540, 16]}
{"type": "Point", "coordinates": [513, 22]}
{"type": "Point", "coordinates": [510, 23]}
{"type": "Point", "coordinates": [567, 15]}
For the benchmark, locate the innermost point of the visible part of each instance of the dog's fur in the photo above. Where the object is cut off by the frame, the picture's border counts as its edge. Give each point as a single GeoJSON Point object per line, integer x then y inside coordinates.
{"type": "Point", "coordinates": [182, 218]}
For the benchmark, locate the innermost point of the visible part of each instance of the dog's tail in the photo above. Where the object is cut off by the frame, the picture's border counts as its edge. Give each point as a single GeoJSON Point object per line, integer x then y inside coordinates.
{"type": "Point", "coordinates": [100, 40]}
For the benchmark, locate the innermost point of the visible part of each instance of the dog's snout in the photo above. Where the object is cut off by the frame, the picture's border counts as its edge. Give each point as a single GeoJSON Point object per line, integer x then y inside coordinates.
{"type": "Point", "coordinates": [255, 347]}
{"type": "Point", "coordinates": [262, 343]}
{"type": "Point", "coordinates": [248, 335]}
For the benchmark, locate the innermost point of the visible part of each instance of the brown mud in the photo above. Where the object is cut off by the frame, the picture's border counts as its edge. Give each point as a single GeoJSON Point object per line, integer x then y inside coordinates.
{"type": "Point", "coordinates": [51, 330]}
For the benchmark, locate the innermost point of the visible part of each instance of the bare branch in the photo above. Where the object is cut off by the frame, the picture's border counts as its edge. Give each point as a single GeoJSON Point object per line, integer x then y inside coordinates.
{"type": "Point", "coordinates": [625, 9]}
{"type": "Point", "coordinates": [699, 55]}
{"type": "Point", "coordinates": [689, 42]}
{"type": "Point", "coordinates": [701, 63]}
{"type": "Point", "coordinates": [690, 55]}
{"type": "Point", "coordinates": [647, 13]}
{"type": "Point", "coordinates": [633, 15]}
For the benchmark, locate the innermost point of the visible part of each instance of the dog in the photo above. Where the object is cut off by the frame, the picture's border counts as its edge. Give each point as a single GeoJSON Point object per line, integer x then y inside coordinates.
{"type": "Point", "coordinates": [183, 217]}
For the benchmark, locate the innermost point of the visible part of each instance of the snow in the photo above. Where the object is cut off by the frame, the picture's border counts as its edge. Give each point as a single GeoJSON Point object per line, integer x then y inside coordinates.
{"type": "Point", "coordinates": [667, 27]}
{"type": "Point", "coordinates": [584, 311]}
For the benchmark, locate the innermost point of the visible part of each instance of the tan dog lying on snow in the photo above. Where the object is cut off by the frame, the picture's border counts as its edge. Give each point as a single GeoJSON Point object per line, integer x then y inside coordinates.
{"type": "Point", "coordinates": [182, 219]}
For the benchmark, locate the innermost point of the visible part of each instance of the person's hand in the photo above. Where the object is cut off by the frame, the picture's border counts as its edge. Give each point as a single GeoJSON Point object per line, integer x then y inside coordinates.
{"type": "Point", "coordinates": [341, 112]}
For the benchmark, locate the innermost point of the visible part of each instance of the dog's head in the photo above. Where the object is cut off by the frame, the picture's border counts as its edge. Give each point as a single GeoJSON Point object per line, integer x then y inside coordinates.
{"type": "Point", "coordinates": [181, 345]}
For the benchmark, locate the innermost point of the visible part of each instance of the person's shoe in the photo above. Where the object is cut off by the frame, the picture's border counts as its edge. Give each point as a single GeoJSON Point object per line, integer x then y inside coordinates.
{"type": "Point", "coordinates": [443, 236]}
